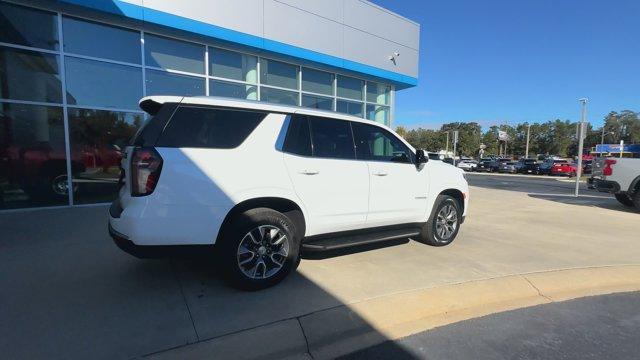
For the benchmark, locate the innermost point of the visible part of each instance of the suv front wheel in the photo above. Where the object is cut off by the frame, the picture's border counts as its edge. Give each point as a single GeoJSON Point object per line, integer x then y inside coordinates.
{"type": "Point", "coordinates": [259, 248]}
{"type": "Point", "coordinates": [443, 224]}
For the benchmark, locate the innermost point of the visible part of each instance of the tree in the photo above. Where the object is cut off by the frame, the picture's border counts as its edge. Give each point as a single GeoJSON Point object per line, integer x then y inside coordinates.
{"type": "Point", "coordinates": [429, 140]}
{"type": "Point", "coordinates": [469, 135]}
{"type": "Point", "coordinates": [554, 137]}
{"type": "Point", "coordinates": [402, 131]}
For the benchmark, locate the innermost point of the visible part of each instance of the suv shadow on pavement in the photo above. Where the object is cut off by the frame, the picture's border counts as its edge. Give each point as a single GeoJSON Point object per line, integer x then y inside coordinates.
{"type": "Point", "coordinates": [68, 292]}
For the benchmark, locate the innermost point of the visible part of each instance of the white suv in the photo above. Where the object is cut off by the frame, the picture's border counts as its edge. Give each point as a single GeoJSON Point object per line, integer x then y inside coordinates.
{"type": "Point", "coordinates": [263, 182]}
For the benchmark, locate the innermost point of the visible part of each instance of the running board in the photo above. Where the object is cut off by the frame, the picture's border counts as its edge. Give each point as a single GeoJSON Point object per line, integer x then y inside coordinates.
{"type": "Point", "coordinates": [340, 241]}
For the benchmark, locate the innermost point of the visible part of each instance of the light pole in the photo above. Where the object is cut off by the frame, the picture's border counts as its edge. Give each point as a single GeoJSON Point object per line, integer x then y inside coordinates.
{"type": "Point", "coordinates": [602, 139]}
{"type": "Point", "coordinates": [581, 130]}
{"type": "Point", "coordinates": [447, 146]}
{"type": "Point", "coordinates": [455, 146]}
{"type": "Point", "coordinates": [526, 154]}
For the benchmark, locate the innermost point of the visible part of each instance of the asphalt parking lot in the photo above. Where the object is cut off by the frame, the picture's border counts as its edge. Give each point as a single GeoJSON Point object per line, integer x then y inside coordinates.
{"type": "Point", "coordinates": [598, 327]}
{"type": "Point", "coordinates": [69, 293]}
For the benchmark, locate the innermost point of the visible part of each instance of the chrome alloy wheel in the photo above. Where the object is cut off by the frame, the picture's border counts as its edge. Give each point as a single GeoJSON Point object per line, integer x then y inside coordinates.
{"type": "Point", "coordinates": [446, 222]}
{"type": "Point", "coordinates": [262, 252]}
{"type": "Point", "coordinates": [60, 185]}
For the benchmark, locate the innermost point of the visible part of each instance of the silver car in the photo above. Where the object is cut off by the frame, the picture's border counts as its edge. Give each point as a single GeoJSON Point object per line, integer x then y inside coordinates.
{"type": "Point", "coordinates": [468, 165]}
{"type": "Point", "coordinates": [508, 167]}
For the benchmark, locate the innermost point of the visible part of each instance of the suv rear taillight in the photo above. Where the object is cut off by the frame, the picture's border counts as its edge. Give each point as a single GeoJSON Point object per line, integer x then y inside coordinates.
{"type": "Point", "coordinates": [608, 170]}
{"type": "Point", "coordinates": [146, 165]}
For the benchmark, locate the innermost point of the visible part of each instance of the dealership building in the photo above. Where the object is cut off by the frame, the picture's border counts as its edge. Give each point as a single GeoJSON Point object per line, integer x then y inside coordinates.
{"type": "Point", "coordinates": [72, 73]}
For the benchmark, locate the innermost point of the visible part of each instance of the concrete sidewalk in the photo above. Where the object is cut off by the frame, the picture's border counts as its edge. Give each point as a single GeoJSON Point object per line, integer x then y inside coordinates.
{"type": "Point", "coordinates": [68, 292]}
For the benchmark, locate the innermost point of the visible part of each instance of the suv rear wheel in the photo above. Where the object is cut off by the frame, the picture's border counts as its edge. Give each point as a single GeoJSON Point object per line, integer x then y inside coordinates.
{"type": "Point", "coordinates": [443, 224]}
{"type": "Point", "coordinates": [636, 200]}
{"type": "Point", "coordinates": [259, 248]}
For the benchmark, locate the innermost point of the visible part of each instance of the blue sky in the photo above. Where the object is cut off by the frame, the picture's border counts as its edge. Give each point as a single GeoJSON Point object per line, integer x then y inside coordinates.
{"type": "Point", "coordinates": [498, 61]}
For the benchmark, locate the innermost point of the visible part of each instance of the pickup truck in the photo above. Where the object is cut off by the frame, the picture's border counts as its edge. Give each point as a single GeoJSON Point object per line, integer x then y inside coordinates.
{"type": "Point", "coordinates": [618, 176]}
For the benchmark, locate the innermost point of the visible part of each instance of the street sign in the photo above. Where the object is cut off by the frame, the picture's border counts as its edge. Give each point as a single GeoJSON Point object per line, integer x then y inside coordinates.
{"type": "Point", "coordinates": [502, 135]}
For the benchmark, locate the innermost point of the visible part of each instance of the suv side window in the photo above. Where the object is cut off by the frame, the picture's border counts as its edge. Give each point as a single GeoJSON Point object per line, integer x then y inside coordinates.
{"type": "Point", "coordinates": [298, 140]}
{"type": "Point", "coordinates": [377, 144]}
{"type": "Point", "coordinates": [205, 127]}
{"type": "Point", "coordinates": [331, 138]}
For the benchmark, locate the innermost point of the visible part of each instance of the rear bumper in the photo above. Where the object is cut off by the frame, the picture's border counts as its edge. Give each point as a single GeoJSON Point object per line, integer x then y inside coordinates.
{"type": "Point", "coordinates": [158, 251]}
{"type": "Point", "coordinates": [603, 185]}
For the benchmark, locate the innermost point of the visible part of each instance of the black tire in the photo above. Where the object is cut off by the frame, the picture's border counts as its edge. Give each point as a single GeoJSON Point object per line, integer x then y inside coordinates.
{"type": "Point", "coordinates": [624, 199]}
{"type": "Point", "coordinates": [636, 199]}
{"type": "Point", "coordinates": [232, 239]}
{"type": "Point", "coordinates": [429, 234]}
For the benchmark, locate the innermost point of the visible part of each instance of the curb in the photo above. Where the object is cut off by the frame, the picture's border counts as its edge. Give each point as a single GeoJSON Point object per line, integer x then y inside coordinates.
{"type": "Point", "coordinates": [333, 332]}
{"type": "Point", "coordinates": [540, 177]}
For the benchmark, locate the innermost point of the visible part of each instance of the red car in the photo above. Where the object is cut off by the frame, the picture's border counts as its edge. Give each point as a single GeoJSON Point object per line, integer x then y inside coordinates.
{"type": "Point", "coordinates": [563, 168]}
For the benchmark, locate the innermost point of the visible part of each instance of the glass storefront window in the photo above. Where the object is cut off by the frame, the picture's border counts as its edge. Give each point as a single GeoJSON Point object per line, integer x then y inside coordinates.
{"type": "Point", "coordinates": [33, 165]}
{"type": "Point", "coordinates": [28, 27]}
{"type": "Point", "coordinates": [350, 88]}
{"type": "Point", "coordinates": [377, 113]}
{"type": "Point", "coordinates": [164, 83]}
{"type": "Point", "coordinates": [98, 139]}
{"type": "Point", "coordinates": [29, 75]}
{"type": "Point", "coordinates": [96, 83]}
{"type": "Point", "coordinates": [317, 102]}
{"type": "Point", "coordinates": [101, 41]}
{"type": "Point", "coordinates": [233, 90]}
{"type": "Point", "coordinates": [378, 93]}
{"type": "Point", "coordinates": [278, 96]}
{"type": "Point", "coordinates": [232, 65]}
{"type": "Point", "coordinates": [173, 54]}
{"type": "Point", "coordinates": [317, 81]}
{"type": "Point", "coordinates": [349, 107]}
{"type": "Point", "coordinates": [276, 73]}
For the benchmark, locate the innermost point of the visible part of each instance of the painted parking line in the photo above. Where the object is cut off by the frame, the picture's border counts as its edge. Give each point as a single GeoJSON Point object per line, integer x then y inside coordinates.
{"type": "Point", "coordinates": [541, 177]}
{"type": "Point", "coordinates": [570, 195]}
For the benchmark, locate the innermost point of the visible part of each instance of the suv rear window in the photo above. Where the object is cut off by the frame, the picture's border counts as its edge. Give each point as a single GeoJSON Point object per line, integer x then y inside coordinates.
{"type": "Point", "coordinates": [202, 127]}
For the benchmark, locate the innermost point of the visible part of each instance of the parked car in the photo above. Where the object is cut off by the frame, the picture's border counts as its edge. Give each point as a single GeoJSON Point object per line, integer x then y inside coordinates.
{"type": "Point", "coordinates": [39, 168]}
{"type": "Point", "coordinates": [508, 167]}
{"type": "Point", "coordinates": [545, 167]}
{"type": "Point", "coordinates": [620, 176]}
{"type": "Point", "coordinates": [528, 166]}
{"type": "Point", "coordinates": [487, 165]}
{"type": "Point", "coordinates": [468, 165]}
{"type": "Point", "coordinates": [192, 180]}
{"type": "Point", "coordinates": [563, 168]}
{"type": "Point", "coordinates": [587, 166]}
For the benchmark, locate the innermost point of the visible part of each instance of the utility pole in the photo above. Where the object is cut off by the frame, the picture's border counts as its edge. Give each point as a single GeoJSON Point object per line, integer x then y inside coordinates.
{"type": "Point", "coordinates": [526, 154]}
{"type": "Point", "coordinates": [447, 149]}
{"type": "Point", "coordinates": [455, 145]}
{"type": "Point", "coordinates": [581, 131]}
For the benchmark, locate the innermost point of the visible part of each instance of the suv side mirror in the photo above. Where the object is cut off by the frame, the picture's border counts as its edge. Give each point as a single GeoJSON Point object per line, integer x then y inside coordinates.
{"type": "Point", "coordinates": [421, 158]}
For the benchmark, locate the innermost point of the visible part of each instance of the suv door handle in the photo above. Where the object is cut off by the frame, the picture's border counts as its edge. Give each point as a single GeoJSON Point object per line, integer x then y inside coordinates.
{"type": "Point", "coordinates": [309, 172]}
{"type": "Point", "coordinates": [381, 173]}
